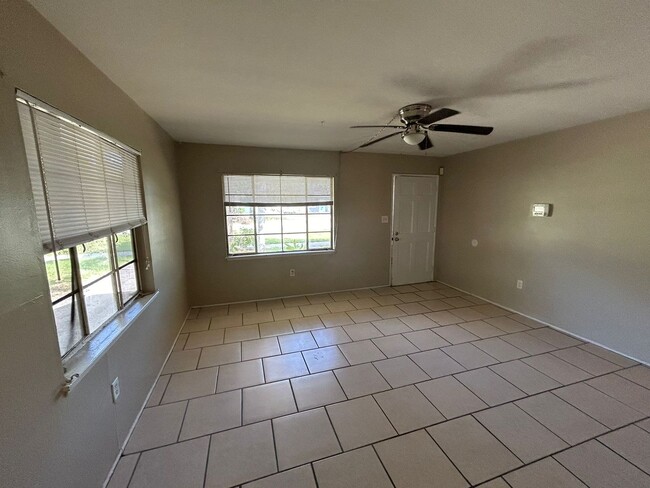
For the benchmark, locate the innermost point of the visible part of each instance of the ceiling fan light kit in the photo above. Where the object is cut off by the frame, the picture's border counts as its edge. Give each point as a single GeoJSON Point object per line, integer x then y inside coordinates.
{"type": "Point", "coordinates": [413, 135]}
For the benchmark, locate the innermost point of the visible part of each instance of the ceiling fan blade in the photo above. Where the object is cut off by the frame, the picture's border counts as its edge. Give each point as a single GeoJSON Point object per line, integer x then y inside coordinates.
{"type": "Point", "coordinates": [377, 127]}
{"type": "Point", "coordinates": [378, 140]}
{"type": "Point", "coordinates": [426, 143]}
{"type": "Point", "coordinates": [463, 129]}
{"type": "Point", "coordinates": [443, 113]}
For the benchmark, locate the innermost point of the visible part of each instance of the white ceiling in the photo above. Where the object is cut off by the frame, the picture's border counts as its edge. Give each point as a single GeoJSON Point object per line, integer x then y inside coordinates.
{"type": "Point", "coordinates": [298, 73]}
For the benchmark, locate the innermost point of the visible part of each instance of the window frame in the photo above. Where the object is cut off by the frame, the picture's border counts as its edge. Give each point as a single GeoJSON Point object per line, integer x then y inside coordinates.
{"type": "Point", "coordinates": [281, 214]}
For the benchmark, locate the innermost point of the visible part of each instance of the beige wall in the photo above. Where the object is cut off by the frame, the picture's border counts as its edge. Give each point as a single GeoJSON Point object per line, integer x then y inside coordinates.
{"type": "Point", "coordinates": [46, 440]}
{"type": "Point", "coordinates": [587, 268]}
{"type": "Point", "coordinates": [362, 196]}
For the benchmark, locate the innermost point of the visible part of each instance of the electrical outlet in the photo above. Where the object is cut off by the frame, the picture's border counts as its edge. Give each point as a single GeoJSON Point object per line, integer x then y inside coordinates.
{"type": "Point", "coordinates": [115, 389]}
{"type": "Point", "coordinates": [520, 284]}
{"type": "Point", "coordinates": [384, 219]}
{"type": "Point", "coordinates": [292, 272]}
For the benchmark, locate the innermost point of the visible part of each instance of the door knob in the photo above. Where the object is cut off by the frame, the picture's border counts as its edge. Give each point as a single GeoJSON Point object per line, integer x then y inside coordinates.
{"type": "Point", "coordinates": [397, 238]}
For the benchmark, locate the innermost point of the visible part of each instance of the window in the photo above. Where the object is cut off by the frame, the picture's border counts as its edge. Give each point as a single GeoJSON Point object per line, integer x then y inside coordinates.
{"type": "Point", "coordinates": [89, 204]}
{"type": "Point", "coordinates": [271, 214]}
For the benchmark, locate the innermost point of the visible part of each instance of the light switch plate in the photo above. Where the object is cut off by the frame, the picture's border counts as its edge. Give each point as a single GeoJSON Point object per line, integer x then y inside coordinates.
{"type": "Point", "coordinates": [384, 219]}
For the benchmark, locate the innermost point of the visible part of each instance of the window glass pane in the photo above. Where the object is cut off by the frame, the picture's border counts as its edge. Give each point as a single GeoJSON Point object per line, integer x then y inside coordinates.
{"type": "Point", "coordinates": [240, 224]}
{"type": "Point", "coordinates": [124, 247]}
{"type": "Point", "coordinates": [320, 222]}
{"type": "Point", "coordinates": [238, 184]}
{"type": "Point", "coordinates": [269, 243]}
{"type": "Point", "coordinates": [294, 223]}
{"type": "Point", "coordinates": [67, 314]}
{"type": "Point", "coordinates": [268, 224]}
{"type": "Point", "coordinates": [320, 209]}
{"type": "Point", "coordinates": [59, 288]}
{"type": "Point", "coordinates": [267, 185]}
{"type": "Point", "coordinates": [128, 282]}
{"type": "Point", "coordinates": [294, 210]}
{"type": "Point", "coordinates": [241, 244]}
{"type": "Point", "coordinates": [267, 210]}
{"type": "Point", "coordinates": [94, 259]}
{"type": "Point", "coordinates": [293, 185]}
{"type": "Point", "coordinates": [100, 302]}
{"type": "Point", "coordinates": [294, 242]}
{"type": "Point", "coordinates": [320, 240]}
{"type": "Point", "coordinates": [319, 186]}
{"type": "Point", "coordinates": [238, 210]}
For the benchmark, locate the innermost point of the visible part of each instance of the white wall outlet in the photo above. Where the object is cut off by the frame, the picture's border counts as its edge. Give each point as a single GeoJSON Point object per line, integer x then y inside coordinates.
{"type": "Point", "coordinates": [384, 219]}
{"type": "Point", "coordinates": [292, 272]}
{"type": "Point", "coordinates": [520, 284]}
{"type": "Point", "coordinates": [474, 243]}
{"type": "Point", "coordinates": [115, 389]}
{"type": "Point", "coordinates": [441, 170]}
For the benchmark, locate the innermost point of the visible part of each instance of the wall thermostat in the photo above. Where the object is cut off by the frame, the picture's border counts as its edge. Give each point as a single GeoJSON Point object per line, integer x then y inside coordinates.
{"type": "Point", "coordinates": [541, 209]}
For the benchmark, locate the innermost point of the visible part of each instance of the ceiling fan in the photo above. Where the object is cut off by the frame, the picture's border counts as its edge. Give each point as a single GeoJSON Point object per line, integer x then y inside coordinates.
{"type": "Point", "coordinates": [418, 120]}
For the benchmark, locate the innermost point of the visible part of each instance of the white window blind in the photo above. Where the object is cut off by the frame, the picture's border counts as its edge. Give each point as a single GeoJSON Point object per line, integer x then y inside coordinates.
{"type": "Point", "coordinates": [85, 185]}
{"type": "Point", "coordinates": [263, 190]}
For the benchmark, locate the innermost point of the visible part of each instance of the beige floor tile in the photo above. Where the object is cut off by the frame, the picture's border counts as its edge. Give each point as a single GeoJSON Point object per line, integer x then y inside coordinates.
{"type": "Point", "coordinates": [491, 310]}
{"type": "Point", "coordinates": [260, 348]}
{"type": "Point", "coordinates": [342, 306]}
{"type": "Point", "coordinates": [444, 317]}
{"type": "Point", "coordinates": [554, 337]}
{"type": "Point", "coordinates": [631, 443]}
{"type": "Point", "coordinates": [210, 414]}
{"type": "Point", "coordinates": [507, 325]}
{"type": "Point", "coordinates": [244, 333]}
{"type": "Point", "coordinates": [240, 375]}
{"type": "Point", "coordinates": [157, 426]}
{"type": "Point", "coordinates": [180, 342]}
{"type": "Point", "coordinates": [364, 293]}
{"type": "Point", "coordinates": [284, 367]}
{"type": "Point", "coordinates": [598, 467]}
{"type": "Point", "coordinates": [242, 308]}
{"type": "Point", "coordinates": [181, 464]}
{"type": "Point", "coordinates": [457, 302]}
{"type": "Point", "coordinates": [415, 461]}
{"type": "Point", "coordinates": [610, 356]}
{"type": "Point", "coordinates": [257, 317]}
{"type": "Point", "coordinates": [385, 291]}
{"type": "Point", "coordinates": [405, 288]}
{"type": "Point", "coordinates": [525, 377]}
{"type": "Point", "coordinates": [295, 301]}
{"type": "Point", "coordinates": [226, 321]}
{"type": "Point", "coordinates": [212, 311]}
{"type": "Point", "coordinates": [311, 310]}
{"type": "Point", "coordinates": [522, 434]}
{"type": "Point", "coordinates": [482, 329]}
{"type": "Point", "coordinates": [425, 340]}
{"type": "Point", "coordinates": [451, 397]}
{"type": "Point", "coordinates": [363, 303]}
{"type": "Point", "coordinates": [158, 391]}
{"type": "Point", "coordinates": [624, 391]}
{"type": "Point", "coordinates": [437, 305]}
{"type": "Point", "coordinates": [270, 304]}
{"type": "Point", "coordinates": [341, 296]}
{"type": "Point", "coordinates": [330, 336]}
{"type": "Point", "coordinates": [400, 371]}
{"type": "Point", "coordinates": [561, 418]}
{"type": "Point", "coordinates": [361, 380]}
{"type": "Point", "coordinates": [408, 409]}
{"type": "Point", "coordinates": [557, 369]}
{"type": "Point", "coordinates": [418, 322]}
{"type": "Point", "coordinates": [304, 437]}
{"type": "Point", "coordinates": [391, 326]}
{"type": "Point", "coordinates": [359, 469]}
{"type": "Point", "coordinates": [500, 349]}
{"type": "Point", "coordinates": [361, 352]}
{"type": "Point", "coordinates": [495, 483]}
{"type": "Point", "coordinates": [546, 473]}
{"type": "Point", "coordinates": [645, 425]}
{"type": "Point", "coordinates": [448, 292]}
{"type": "Point", "coordinates": [297, 342]}
{"type": "Point", "coordinates": [301, 477]}
{"type": "Point", "coordinates": [455, 334]}
{"type": "Point", "coordinates": [395, 345]}
{"type": "Point", "coordinates": [410, 297]}
{"type": "Point", "coordinates": [359, 422]}
{"type": "Point", "coordinates": [316, 390]}
{"type": "Point", "coordinates": [473, 449]}
{"type": "Point", "coordinates": [638, 374]}
{"type": "Point", "coordinates": [469, 356]}
{"type": "Point", "coordinates": [279, 327]}
{"type": "Point", "coordinates": [320, 298]}
{"type": "Point", "coordinates": [267, 401]}
{"type": "Point", "coordinates": [431, 295]}
{"type": "Point", "coordinates": [196, 325]}
{"type": "Point", "coordinates": [204, 339]}
{"type": "Point", "coordinates": [306, 323]}
{"type": "Point", "coordinates": [240, 455]}
{"type": "Point", "coordinates": [286, 313]}
{"type": "Point", "coordinates": [218, 355]}
{"type": "Point", "coordinates": [182, 361]}
{"type": "Point", "coordinates": [335, 319]}
{"type": "Point", "coordinates": [598, 405]}
{"type": "Point", "coordinates": [489, 386]}
{"type": "Point", "coordinates": [324, 359]}
{"type": "Point", "coordinates": [389, 312]}
{"type": "Point", "coordinates": [361, 316]}
{"type": "Point", "coordinates": [468, 314]}
{"type": "Point", "coordinates": [387, 300]}
{"type": "Point", "coordinates": [528, 343]}
{"type": "Point", "coordinates": [361, 332]}
{"type": "Point", "coordinates": [413, 309]}
{"type": "Point", "coordinates": [533, 324]}
{"type": "Point", "coordinates": [436, 363]}
{"type": "Point", "coordinates": [123, 471]}
{"type": "Point", "coordinates": [191, 384]}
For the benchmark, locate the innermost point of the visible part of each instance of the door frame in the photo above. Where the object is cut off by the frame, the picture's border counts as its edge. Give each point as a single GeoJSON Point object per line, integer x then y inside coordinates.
{"type": "Point", "coordinates": [392, 220]}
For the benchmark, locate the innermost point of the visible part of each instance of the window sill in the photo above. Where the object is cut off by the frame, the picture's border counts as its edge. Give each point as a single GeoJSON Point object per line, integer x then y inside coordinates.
{"type": "Point", "coordinates": [82, 360]}
{"type": "Point", "coordinates": [279, 254]}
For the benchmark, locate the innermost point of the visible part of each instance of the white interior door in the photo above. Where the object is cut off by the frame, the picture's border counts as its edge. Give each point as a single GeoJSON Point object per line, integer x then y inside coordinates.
{"type": "Point", "coordinates": [415, 202]}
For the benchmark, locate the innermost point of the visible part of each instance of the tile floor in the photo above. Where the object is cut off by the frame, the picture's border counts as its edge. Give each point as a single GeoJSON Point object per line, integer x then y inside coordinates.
{"type": "Point", "coordinates": [407, 386]}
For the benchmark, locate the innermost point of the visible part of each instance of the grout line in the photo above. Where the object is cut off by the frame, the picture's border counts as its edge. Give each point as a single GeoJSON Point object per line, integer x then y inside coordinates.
{"type": "Point", "coordinates": [374, 449]}
{"type": "Point", "coordinates": [620, 454]}
{"type": "Point", "coordinates": [426, 431]}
